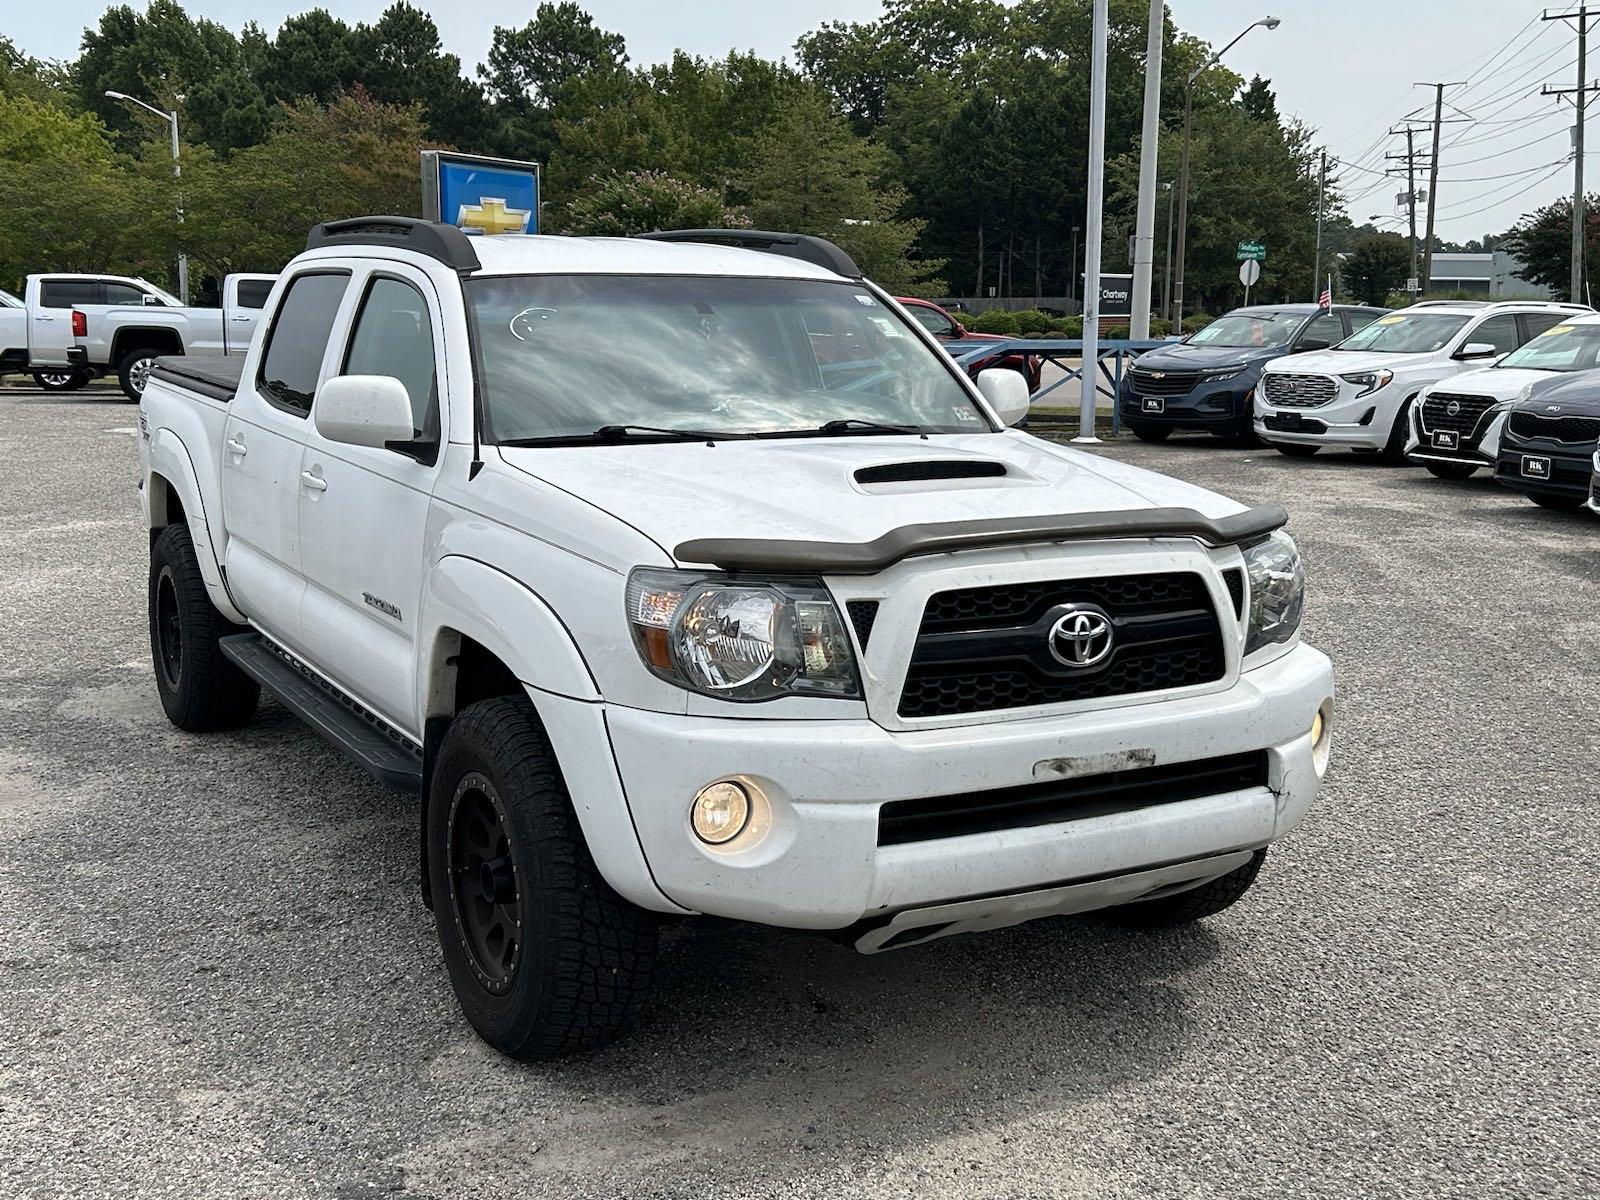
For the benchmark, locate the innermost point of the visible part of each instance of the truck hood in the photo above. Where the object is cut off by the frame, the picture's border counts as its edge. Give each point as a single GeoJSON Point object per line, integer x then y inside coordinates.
{"type": "Point", "coordinates": [813, 488]}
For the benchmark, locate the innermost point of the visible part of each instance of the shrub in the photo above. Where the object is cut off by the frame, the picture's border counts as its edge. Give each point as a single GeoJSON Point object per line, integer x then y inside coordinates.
{"type": "Point", "coordinates": [1068, 327]}
{"type": "Point", "coordinates": [1160, 327]}
{"type": "Point", "coordinates": [1032, 322]}
{"type": "Point", "coordinates": [996, 320]}
{"type": "Point", "coordinates": [1195, 323]}
{"type": "Point", "coordinates": [1113, 332]}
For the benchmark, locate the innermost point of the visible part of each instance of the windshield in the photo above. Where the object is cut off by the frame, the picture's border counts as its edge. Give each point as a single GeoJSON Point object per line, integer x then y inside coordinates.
{"type": "Point", "coordinates": [1249, 330]}
{"type": "Point", "coordinates": [562, 356]}
{"type": "Point", "coordinates": [1406, 333]}
{"type": "Point", "coordinates": [1559, 348]}
{"type": "Point", "coordinates": [7, 300]}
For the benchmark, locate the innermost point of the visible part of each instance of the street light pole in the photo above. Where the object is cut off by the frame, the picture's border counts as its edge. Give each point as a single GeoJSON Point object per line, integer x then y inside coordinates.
{"type": "Point", "coordinates": [1089, 372]}
{"type": "Point", "coordinates": [1144, 230]}
{"type": "Point", "coordinates": [1183, 181]}
{"type": "Point", "coordinates": [171, 118]}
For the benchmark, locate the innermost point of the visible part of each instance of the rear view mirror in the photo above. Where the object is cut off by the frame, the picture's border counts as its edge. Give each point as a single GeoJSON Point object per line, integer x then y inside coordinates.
{"type": "Point", "coordinates": [1007, 393]}
{"type": "Point", "coordinates": [1477, 350]}
{"type": "Point", "coordinates": [363, 410]}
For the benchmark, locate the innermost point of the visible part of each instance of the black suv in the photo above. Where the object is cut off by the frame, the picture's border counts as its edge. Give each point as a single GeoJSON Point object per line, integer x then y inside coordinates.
{"type": "Point", "coordinates": [1207, 381]}
{"type": "Point", "coordinates": [1547, 448]}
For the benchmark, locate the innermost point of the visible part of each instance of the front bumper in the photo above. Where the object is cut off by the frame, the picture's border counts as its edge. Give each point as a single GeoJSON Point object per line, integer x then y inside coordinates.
{"type": "Point", "coordinates": [1471, 449]}
{"type": "Point", "coordinates": [1565, 470]}
{"type": "Point", "coordinates": [1220, 406]}
{"type": "Point", "coordinates": [820, 864]}
{"type": "Point", "coordinates": [1349, 420]}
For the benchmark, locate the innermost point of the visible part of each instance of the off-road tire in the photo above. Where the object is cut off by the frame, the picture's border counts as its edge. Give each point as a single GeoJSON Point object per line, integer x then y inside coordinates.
{"type": "Point", "coordinates": [200, 688]}
{"type": "Point", "coordinates": [52, 381]}
{"type": "Point", "coordinates": [1295, 449]}
{"type": "Point", "coordinates": [1150, 433]}
{"type": "Point", "coordinates": [129, 374]}
{"type": "Point", "coordinates": [1450, 470]}
{"type": "Point", "coordinates": [584, 959]}
{"type": "Point", "coordinates": [1193, 905]}
{"type": "Point", "coordinates": [1556, 503]}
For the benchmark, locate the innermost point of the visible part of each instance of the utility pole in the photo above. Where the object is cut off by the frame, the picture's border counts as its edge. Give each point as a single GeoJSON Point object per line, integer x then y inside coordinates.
{"type": "Point", "coordinates": [1144, 234]}
{"type": "Point", "coordinates": [1414, 285]}
{"type": "Point", "coordinates": [1433, 180]}
{"type": "Point", "coordinates": [1089, 373]}
{"type": "Point", "coordinates": [1316, 258]}
{"type": "Point", "coordinates": [1579, 96]}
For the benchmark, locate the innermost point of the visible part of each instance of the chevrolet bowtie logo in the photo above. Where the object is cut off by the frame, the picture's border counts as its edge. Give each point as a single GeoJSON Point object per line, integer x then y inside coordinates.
{"type": "Point", "coordinates": [492, 216]}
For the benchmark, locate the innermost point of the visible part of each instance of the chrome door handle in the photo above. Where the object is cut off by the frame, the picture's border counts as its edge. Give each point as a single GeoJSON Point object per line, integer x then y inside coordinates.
{"type": "Point", "coordinates": [235, 446]}
{"type": "Point", "coordinates": [315, 482]}
{"type": "Point", "coordinates": [44, 317]}
{"type": "Point", "coordinates": [239, 320]}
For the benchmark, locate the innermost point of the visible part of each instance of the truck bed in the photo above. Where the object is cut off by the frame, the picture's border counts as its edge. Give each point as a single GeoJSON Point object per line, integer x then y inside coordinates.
{"type": "Point", "coordinates": [216, 377]}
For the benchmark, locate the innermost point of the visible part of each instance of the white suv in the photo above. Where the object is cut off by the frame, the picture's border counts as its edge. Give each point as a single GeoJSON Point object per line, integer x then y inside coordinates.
{"type": "Point", "coordinates": [1357, 395]}
{"type": "Point", "coordinates": [1455, 424]}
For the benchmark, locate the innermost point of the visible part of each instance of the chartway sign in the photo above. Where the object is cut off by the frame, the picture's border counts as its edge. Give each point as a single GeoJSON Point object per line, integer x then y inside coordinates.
{"type": "Point", "coordinates": [481, 195]}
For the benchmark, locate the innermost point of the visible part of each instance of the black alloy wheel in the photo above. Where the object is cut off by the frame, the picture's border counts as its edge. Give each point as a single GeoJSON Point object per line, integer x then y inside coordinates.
{"type": "Point", "coordinates": [168, 627]}
{"type": "Point", "coordinates": [484, 894]}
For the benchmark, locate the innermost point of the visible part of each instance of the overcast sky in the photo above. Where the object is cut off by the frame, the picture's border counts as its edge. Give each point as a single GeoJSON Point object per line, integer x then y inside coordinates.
{"type": "Point", "coordinates": [1345, 67]}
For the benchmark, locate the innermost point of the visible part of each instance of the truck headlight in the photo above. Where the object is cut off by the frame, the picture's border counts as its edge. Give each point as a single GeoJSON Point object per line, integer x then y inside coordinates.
{"type": "Point", "coordinates": [1368, 381]}
{"type": "Point", "coordinates": [741, 639]}
{"type": "Point", "coordinates": [1277, 591]}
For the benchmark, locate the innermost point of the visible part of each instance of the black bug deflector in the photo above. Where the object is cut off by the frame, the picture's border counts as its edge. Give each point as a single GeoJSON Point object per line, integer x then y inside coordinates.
{"type": "Point", "coordinates": [865, 558]}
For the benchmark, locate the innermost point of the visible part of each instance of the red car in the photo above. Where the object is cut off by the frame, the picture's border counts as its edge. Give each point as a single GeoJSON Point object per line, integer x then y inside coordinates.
{"type": "Point", "coordinates": [947, 329]}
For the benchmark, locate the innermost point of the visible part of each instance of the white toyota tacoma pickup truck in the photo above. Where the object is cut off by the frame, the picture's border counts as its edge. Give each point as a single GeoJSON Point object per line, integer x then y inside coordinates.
{"type": "Point", "coordinates": [687, 574]}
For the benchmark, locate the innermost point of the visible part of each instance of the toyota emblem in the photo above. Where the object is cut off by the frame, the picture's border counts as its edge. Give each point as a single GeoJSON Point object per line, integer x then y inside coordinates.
{"type": "Point", "coordinates": [1081, 636]}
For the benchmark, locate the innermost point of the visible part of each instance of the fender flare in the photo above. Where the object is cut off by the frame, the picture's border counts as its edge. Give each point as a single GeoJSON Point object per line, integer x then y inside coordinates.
{"type": "Point", "coordinates": [170, 462]}
{"type": "Point", "coordinates": [470, 598]}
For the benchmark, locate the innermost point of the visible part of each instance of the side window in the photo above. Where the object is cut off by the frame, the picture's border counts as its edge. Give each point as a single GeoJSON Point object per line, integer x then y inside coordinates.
{"type": "Point", "coordinates": [1360, 320]}
{"type": "Point", "coordinates": [1535, 323]}
{"type": "Point", "coordinates": [932, 320]}
{"type": "Point", "coordinates": [123, 293]}
{"type": "Point", "coordinates": [1321, 331]}
{"type": "Point", "coordinates": [65, 293]}
{"type": "Point", "coordinates": [1499, 331]}
{"type": "Point", "coordinates": [299, 339]}
{"type": "Point", "coordinates": [393, 335]}
{"type": "Point", "coordinates": [253, 293]}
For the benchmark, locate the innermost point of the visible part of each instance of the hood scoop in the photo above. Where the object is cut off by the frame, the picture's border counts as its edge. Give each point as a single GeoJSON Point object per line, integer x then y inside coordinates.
{"type": "Point", "coordinates": [930, 469]}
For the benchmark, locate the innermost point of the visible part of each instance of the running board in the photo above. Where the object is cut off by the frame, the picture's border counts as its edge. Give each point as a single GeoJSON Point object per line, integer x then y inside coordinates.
{"type": "Point", "coordinates": [349, 726]}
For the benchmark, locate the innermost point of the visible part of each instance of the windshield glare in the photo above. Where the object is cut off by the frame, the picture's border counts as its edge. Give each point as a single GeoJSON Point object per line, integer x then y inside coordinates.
{"type": "Point", "coordinates": [1249, 330]}
{"type": "Point", "coordinates": [560, 356]}
{"type": "Point", "coordinates": [1405, 333]}
{"type": "Point", "coordinates": [1559, 348]}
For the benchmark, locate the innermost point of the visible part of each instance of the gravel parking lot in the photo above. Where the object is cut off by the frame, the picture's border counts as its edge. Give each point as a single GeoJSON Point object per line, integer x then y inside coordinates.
{"type": "Point", "coordinates": [216, 978]}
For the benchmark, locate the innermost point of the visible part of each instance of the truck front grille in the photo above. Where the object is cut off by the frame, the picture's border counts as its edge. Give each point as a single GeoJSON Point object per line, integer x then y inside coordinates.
{"type": "Point", "coordinates": [902, 821]}
{"type": "Point", "coordinates": [989, 648]}
{"type": "Point", "coordinates": [1458, 413]}
{"type": "Point", "coordinates": [1571, 431]}
{"type": "Point", "coordinates": [1288, 390]}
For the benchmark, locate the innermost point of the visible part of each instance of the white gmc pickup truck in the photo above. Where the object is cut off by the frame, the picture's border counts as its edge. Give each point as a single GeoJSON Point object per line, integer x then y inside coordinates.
{"type": "Point", "coordinates": [687, 574]}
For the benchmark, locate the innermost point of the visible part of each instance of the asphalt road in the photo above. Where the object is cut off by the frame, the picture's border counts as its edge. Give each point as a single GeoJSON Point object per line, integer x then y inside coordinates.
{"type": "Point", "coordinates": [216, 979]}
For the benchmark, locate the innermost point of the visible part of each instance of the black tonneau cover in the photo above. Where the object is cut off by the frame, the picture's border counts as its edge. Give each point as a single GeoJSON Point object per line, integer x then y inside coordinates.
{"type": "Point", "coordinates": [860, 558]}
{"type": "Point", "coordinates": [215, 376]}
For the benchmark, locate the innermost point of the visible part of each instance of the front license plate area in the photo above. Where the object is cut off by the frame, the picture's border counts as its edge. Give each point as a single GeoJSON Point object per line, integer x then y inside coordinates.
{"type": "Point", "coordinates": [1535, 466]}
{"type": "Point", "coordinates": [1446, 439]}
{"type": "Point", "coordinates": [1152, 404]}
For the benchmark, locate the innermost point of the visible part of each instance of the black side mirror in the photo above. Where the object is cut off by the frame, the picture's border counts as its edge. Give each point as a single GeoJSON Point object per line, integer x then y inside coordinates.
{"type": "Point", "coordinates": [1305, 344]}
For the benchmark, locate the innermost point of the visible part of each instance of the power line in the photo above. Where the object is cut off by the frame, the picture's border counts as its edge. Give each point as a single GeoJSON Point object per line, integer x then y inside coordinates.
{"type": "Point", "coordinates": [1503, 199]}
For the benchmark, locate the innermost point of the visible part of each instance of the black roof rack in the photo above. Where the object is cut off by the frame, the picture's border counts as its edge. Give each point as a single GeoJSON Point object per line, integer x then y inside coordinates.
{"type": "Point", "coordinates": [433, 238]}
{"type": "Point", "coordinates": [819, 252]}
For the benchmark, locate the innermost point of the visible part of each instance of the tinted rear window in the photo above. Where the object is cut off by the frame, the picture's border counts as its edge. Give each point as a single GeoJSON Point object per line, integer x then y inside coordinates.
{"type": "Point", "coordinates": [253, 293]}
{"type": "Point", "coordinates": [64, 293]}
{"type": "Point", "coordinates": [299, 340]}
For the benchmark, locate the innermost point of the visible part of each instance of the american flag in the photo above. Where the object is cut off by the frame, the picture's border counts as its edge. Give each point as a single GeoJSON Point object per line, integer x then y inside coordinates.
{"type": "Point", "coordinates": [1326, 299]}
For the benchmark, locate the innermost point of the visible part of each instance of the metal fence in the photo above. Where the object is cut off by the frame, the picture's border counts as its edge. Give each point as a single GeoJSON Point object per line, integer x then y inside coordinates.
{"type": "Point", "coordinates": [1067, 353]}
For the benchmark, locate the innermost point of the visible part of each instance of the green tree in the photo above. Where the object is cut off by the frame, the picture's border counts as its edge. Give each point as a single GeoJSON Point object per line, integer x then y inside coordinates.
{"type": "Point", "coordinates": [21, 75]}
{"type": "Point", "coordinates": [621, 205]}
{"type": "Point", "coordinates": [399, 60]}
{"type": "Point", "coordinates": [810, 173]}
{"type": "Point", "coordinates": [1543, 241]}
{"type": "Point", "coordinates": [1378, 265]}
{"type": "Point", "coordinates": [531, 69]}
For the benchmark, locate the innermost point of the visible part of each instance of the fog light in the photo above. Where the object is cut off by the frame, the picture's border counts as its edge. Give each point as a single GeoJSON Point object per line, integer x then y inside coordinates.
{"type": "Point", "coordinates": [720, 812]}
{"type": "Point", "coordinates": [1321, 741]}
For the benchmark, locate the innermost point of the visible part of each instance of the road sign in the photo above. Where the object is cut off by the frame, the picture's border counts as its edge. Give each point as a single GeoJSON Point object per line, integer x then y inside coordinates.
{"type": "Point", "coordinates": [481, 195]}
{"type": "Point", "coordinates": [1249, 272]}
{"type": "Point", "coordinates": [1256, 251]}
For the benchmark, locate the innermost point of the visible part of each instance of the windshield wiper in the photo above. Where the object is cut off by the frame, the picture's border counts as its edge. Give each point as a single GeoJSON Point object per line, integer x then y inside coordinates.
{"type": "Point", "coordinates": [857, 425]}
{"type": "Point", "coordinates": [624, 433]}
